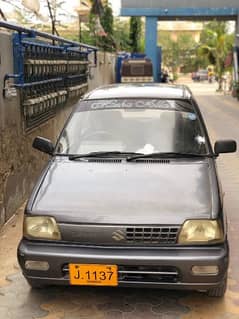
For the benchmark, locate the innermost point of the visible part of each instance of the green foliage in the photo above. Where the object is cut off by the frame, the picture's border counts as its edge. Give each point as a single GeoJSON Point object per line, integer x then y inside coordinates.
{"type": "Point", "coordinates": [107, 22]}
{"type": "Point", "coordinates": [107, 43]}
{"type": "Point", "coordinates": [216, 44]}
{"type": "Point", "coordinates": [91, 27]}
{"type": "Point", "coordinates": [86, 37]}
{"type": "Point", "coordinates": [121, 35]}
{"type": "Point", "coordinates": [135, 34]}
{"type": "Point", "coordinates": [178, 54]}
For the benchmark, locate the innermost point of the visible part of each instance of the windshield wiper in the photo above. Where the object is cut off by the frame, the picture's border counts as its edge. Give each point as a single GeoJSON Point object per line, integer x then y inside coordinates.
{"type": "Point", "coordinates": [103, 154]}
{"type": "Point", "coordinates": [169, 155]}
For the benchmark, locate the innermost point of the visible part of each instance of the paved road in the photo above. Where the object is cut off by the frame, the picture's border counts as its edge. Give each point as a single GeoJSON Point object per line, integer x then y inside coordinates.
{"type": "Point", "coordinates": [18, 301]}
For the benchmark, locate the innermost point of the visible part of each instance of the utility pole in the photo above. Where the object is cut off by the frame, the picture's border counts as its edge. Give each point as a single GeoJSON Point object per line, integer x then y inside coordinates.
{"type": "Point", "coordinates": [52, 17]}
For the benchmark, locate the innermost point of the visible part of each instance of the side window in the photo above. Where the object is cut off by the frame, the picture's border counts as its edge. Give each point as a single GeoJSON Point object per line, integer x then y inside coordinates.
{"type": "Point", "coordinates": [193, 139]}
{"type": "Point", "coordinates": [70, 138]}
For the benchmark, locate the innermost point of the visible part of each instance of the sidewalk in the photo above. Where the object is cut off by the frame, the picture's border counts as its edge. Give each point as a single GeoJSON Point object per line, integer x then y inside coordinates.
{"type": "Point", "coordinates": [10, 236]}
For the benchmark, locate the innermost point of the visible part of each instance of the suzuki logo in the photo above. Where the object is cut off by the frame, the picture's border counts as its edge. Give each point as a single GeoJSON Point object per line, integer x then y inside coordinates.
{"type": "Point", "coordinates": [118, 235]}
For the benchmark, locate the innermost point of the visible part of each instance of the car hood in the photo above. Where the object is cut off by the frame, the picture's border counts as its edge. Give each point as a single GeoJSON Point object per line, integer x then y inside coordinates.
{"type": "Point", "coordinates": [127, 193]}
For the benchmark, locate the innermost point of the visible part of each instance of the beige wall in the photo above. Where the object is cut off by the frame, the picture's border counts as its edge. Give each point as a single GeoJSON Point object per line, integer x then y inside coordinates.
{"type": "Point", "coordinates": [176, 28]}
{"type": "Point", "coordinates": [105, 72]}
{"type": "Point", "coordinates": [19, 163]}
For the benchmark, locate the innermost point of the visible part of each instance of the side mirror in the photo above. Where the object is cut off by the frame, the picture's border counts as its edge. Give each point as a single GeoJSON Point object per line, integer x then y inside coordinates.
{"type": "Point", "coordinates": [43, 145]}
{"type": "Point", "coordinates": [225, 146]}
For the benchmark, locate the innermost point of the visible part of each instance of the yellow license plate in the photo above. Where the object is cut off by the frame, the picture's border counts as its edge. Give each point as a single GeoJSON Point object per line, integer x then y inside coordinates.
{"type": "Point", "coordinates": [93, 275]}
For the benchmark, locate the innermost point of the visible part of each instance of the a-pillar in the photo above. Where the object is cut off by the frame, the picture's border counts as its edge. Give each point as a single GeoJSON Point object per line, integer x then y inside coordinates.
{"type": "Point", "coordinates": [151, 49]}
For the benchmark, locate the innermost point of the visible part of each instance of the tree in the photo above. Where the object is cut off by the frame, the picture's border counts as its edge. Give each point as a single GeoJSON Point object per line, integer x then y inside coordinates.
{"type": "Point", "coordinates": [135, 33]}
{"type": "Point", "coordinates": [101, 25]}
{"type": "Point", "coordinates": [178, 53]}
{"type": "Point", "coordinates": [121, 35]}
{"type": "Point", "coordinates": [107, 21]}
{"type": "Point", "coordinates": [22, 18]}
{"type": "Point", "coordinates": [55, 13]}
{"type": "Point", "coordinates": [216, 44]}
{"type": "Point", "coordinates": [51, 5]}
{"type": "Point", "coordinates": [96, 7]}
{"type": "Point", "coordinates": [20, 13]}
{"type": "Point", "coordinates": [3, 15]}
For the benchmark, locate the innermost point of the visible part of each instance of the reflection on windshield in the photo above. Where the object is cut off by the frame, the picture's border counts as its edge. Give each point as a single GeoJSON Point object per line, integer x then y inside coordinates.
{"type": "Point", "coordinates": [137, 104]}
{"type": "Point", "coordinates": [141, 130]}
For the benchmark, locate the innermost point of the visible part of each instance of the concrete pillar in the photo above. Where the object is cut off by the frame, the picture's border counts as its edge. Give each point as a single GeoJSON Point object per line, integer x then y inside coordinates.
{"type": "Point", "coordinates": [237, 31]}
{"type": "Point", "coordinates": [235, 53]}
{"type": "Point", "coordinates": [151, 43]}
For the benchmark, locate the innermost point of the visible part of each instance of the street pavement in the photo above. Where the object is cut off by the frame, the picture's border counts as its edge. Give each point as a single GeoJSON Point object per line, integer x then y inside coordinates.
{"type": "Point", "coordinates": [18, 301]}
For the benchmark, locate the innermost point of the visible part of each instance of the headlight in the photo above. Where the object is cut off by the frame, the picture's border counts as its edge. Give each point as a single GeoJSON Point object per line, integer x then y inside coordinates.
{"type": "Point", "coordinates": [41, 227]}
{"type": "Point", "coordinates": [201, 232]}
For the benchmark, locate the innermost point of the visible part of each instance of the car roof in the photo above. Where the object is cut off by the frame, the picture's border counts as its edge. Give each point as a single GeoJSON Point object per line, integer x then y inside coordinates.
{"type": "Point", "coordinates": [146, 90]}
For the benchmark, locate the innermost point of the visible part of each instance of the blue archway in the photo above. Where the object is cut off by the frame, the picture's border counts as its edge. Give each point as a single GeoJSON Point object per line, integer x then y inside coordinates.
{"type": "Point", "coordinates": [155, 10]}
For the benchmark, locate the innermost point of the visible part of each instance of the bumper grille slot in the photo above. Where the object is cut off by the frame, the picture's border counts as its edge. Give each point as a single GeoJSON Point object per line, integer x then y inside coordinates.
{"type": "Point", "coordinates": [152, 235]}
{"type": "Point", "coordinates": [65, 271]}
{"type": "Point", "coordinates": [148, 274]}
{"type": "Point", "coordinates": [141, 274]}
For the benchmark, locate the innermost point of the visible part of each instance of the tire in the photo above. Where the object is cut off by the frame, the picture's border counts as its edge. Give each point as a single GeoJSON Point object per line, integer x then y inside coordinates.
{"type": "Point", "coordinates": [218, 291]}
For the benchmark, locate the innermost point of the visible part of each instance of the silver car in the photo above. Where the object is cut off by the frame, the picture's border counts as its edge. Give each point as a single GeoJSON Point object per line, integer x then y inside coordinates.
{"type": "Point", "coordinates": [130, 196]}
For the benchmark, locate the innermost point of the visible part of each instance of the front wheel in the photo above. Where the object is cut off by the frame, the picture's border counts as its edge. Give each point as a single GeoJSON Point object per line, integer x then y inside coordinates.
{"type": "Point", "coordinates": [218, 291]}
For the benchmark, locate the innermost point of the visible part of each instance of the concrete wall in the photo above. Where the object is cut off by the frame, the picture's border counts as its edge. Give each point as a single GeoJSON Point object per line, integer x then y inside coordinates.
{"type": "Point", "coordinates": [19, 163]}
{"type": "Point", "coordinates": [105, 71]}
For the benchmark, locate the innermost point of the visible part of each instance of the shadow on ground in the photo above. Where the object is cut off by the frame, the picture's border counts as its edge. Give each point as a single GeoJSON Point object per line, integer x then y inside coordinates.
{"type": "Point", "coordinates": [19, 301]}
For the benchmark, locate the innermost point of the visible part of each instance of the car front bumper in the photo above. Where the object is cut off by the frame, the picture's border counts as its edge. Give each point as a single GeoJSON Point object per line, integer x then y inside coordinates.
{"type": "Point", "coordinates": [175, 264]}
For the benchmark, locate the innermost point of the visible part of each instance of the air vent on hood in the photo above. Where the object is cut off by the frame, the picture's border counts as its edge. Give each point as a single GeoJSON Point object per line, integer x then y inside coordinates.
{"type": "Point", "coordinates": [104, 160]}
{"type": "Point", "coordinates": [153, 161]}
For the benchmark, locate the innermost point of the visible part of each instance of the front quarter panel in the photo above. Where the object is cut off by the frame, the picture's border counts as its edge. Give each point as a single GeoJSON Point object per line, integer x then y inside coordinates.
{"type": "Point", "coordinates": [37, 187]}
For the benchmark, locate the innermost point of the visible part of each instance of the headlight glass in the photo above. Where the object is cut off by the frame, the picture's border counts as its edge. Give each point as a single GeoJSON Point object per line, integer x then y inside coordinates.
{"type": "Point", "coordinates": [201, 232]}
{"type": "Point", "coordinates": [41, 227]}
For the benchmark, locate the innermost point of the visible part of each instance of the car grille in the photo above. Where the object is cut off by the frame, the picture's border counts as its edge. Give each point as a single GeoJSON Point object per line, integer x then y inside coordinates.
{"type": "Point", "coordinates": [152, 235]}
{"type": "Point", "coordinates": [130, 235]}
{"type": "Point", "coordinates": [142, 274]}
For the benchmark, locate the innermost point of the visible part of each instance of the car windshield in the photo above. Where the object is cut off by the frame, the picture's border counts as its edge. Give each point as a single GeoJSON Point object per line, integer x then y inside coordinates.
{"type": "Point", "coordinates": [131, 125]}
